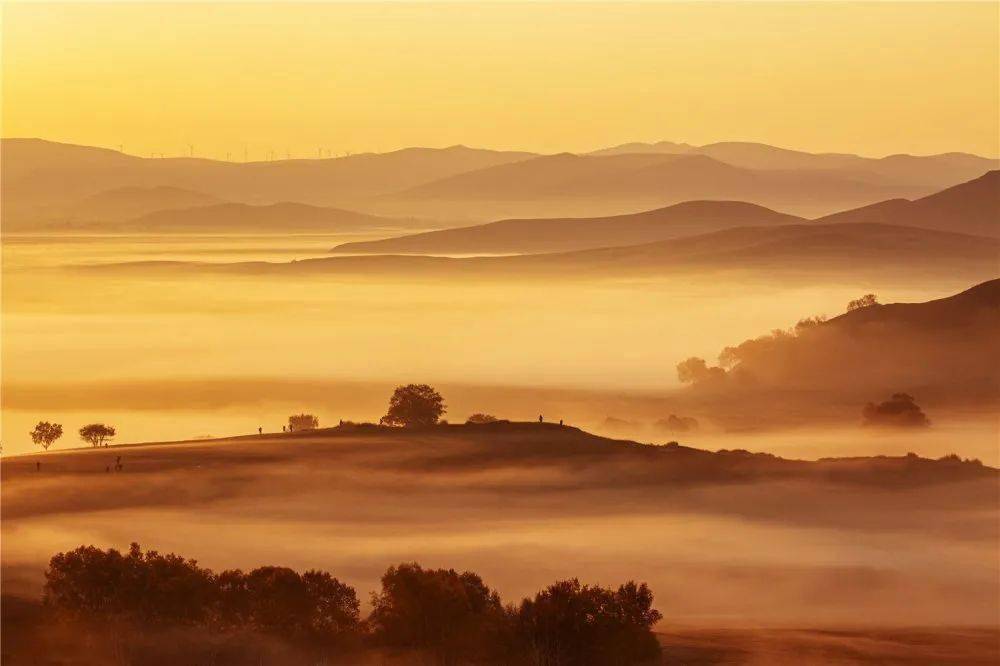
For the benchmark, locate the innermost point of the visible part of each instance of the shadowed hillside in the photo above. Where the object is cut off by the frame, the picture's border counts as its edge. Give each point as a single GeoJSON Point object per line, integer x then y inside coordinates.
{"type": "Point", "coordinates": [560, 235]}
{"type": "Point", "coordinates": [970, 208]}
{"type": "Point", "coordinates": [940, 349]}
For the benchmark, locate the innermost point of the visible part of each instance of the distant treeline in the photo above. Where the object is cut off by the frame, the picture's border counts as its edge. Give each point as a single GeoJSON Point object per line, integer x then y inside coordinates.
{"type": "Point", "coordinates": [440, 614]}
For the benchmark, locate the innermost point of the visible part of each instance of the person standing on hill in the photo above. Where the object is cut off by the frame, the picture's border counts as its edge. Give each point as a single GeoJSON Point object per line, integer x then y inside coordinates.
{"type": "Point", "coordinates": [260, 430]}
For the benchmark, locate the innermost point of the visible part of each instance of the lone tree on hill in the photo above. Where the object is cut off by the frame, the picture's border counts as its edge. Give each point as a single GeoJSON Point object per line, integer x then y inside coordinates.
{"type": "Point", "coordinates": [303, 422]}
{"type": "Point", "coordinates": [97, 434]}
{"type": "Point", "coordinates": [46, 433]}
{"type": "Point", "coordinates": [414, 405]}
{"type": "Point", "coordinates": [865, 301]}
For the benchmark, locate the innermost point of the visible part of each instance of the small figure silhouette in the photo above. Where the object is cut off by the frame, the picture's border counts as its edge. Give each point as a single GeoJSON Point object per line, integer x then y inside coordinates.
{"type": "Point", "coordinates": [539, 418]}
{"type": "Point", "coordinates": [560, 421]}
{"type": "Point", "coordinates": [260, 430]}
{"type": "Point", "coordinates": [282, 428]}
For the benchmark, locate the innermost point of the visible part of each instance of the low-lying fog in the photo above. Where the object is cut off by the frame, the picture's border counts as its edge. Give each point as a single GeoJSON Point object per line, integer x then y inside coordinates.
{"type": "Point", "coordinates": [793, 550]}
{"type": "Point", "coordinates": [180, 357]}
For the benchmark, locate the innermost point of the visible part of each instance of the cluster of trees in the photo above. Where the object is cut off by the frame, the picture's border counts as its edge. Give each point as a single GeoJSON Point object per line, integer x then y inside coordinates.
{"type": "Point", "coordinates": [696, 370]}
{"type": "Point", "coordinates": [480, 418]}
{"type": "Point", "coordinates": [448, 616]}
{"type": "Point", "coordinates": [298, 422]}
{"type": "Point", "coordinates": [900, 410]}
{"type": "Point", "coordinates": [96, 434]}
{"type": "Point", "coordinates": [865, 301]}
{"type": "Point", "coordinates": [675, 423]}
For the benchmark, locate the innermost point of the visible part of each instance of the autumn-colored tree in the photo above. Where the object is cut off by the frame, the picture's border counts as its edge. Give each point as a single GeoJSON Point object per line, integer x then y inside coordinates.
{"type": "Point", "coordinates": [46, 433]}
{"type": "Point", "coordinates": [97, 434]}
{"type": "Point", "coordinates": [414, 405]}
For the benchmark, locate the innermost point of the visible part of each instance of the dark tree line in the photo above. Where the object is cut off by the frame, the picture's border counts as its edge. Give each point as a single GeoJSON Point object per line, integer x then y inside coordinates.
{"type": "Point", "coordinates": [451, 617]}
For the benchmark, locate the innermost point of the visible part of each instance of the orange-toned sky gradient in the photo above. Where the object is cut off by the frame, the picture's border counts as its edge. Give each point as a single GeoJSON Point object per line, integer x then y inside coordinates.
{"type": "Point", "coordinates": [867, 78]}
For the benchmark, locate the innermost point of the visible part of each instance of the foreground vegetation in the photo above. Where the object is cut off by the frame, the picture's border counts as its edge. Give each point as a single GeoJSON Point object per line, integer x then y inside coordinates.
{"type": "Point", "coordinates": [437, 615]}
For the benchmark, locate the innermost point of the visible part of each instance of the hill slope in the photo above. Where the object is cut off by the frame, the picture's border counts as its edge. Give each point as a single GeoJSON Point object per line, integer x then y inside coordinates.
{"type": "Point", "coordinates": [806, 252]}
{"type": "Point", "coordinates": [938, 348]}
{"type": "Point", "coordinates": [651, 179]}
{"type": "Point", "coordinates": [932, 170]}
{"type": "Point", "coordinates": [42, 178]}
{"type": "Point", "coordinates": [972, 207]}
{"type": "Point", "coordinates": [125, 203]}
{"type": "Point", "coordinates": [244, 218]}
{"type": "Point", "coordinates": [560, 235]}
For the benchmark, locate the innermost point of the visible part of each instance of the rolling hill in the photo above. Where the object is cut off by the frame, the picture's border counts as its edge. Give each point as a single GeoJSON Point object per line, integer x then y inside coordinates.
{"type": "Point", "coordinates": [972, 207]}
{"type": "Point", "coordinates": [805, 252]}
{"type": "Point", "coordinates": [938, 349]}
{"type": "Point", "coordinates": [620, 183]}
{"type": "Point", "coordinates": [125, 203]}
{"type": "Point", "coordinates": [244, 218]}
{"type": "Point", "coordinates": [932, 170]}
{"type": "Point", "coordinates": [43, 178]}
{"type": "Point", "coordinates": [533, 236]}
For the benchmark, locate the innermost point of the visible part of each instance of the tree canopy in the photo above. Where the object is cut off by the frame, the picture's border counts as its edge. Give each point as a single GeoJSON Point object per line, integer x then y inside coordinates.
{"type": "Point", "coordinates": [97, 434]}
{"type": "Point", "coordinates": [414, 405]}
{"type": "Point", "coordinates": [46, 433]}
{"type": "Point", "coordinates": [303, 422]}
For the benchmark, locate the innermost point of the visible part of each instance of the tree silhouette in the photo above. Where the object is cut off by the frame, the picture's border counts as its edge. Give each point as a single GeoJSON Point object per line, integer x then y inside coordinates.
{"type": "Point", "coordinates": [303, 422]}
{"type": "Point", "coordinates": [481, 418]}
{"type": "Point", "coordinates": [414, 405]}
{"type": "Point", "coordinates": [46, 433]}
{"type": "Point", "coordinates": [97, 434]}
{"type": "Point", "coordinates": [900, 410]}
{"type": "Point", "coordinates": [447, 613]}
{"type": "Point", "coordinates": [865, 301]}
{"type": "Point", "coordinates": [589, 625]}
{"type": "Point", "coordinates": [695, 370]}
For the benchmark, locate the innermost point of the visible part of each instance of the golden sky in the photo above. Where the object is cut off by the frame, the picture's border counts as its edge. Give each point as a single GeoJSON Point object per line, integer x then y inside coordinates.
{"type": "Point", "coordinates": [868, 78]}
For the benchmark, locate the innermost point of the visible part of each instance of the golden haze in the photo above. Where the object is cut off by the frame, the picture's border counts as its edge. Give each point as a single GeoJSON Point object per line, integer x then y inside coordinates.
{"type": "Point", "coordinates": [247, 79]}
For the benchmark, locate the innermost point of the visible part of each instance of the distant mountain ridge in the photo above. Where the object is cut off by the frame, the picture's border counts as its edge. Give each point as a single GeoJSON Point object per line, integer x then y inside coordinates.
{"type": "Point", "coordinates": [534, 236]}
{"type": "Point", "coordinates": [43, 179]}
{"type": "Point", "coordinates": [916, 169]}
{"type": "Point", "coordinates": [651, 180]}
